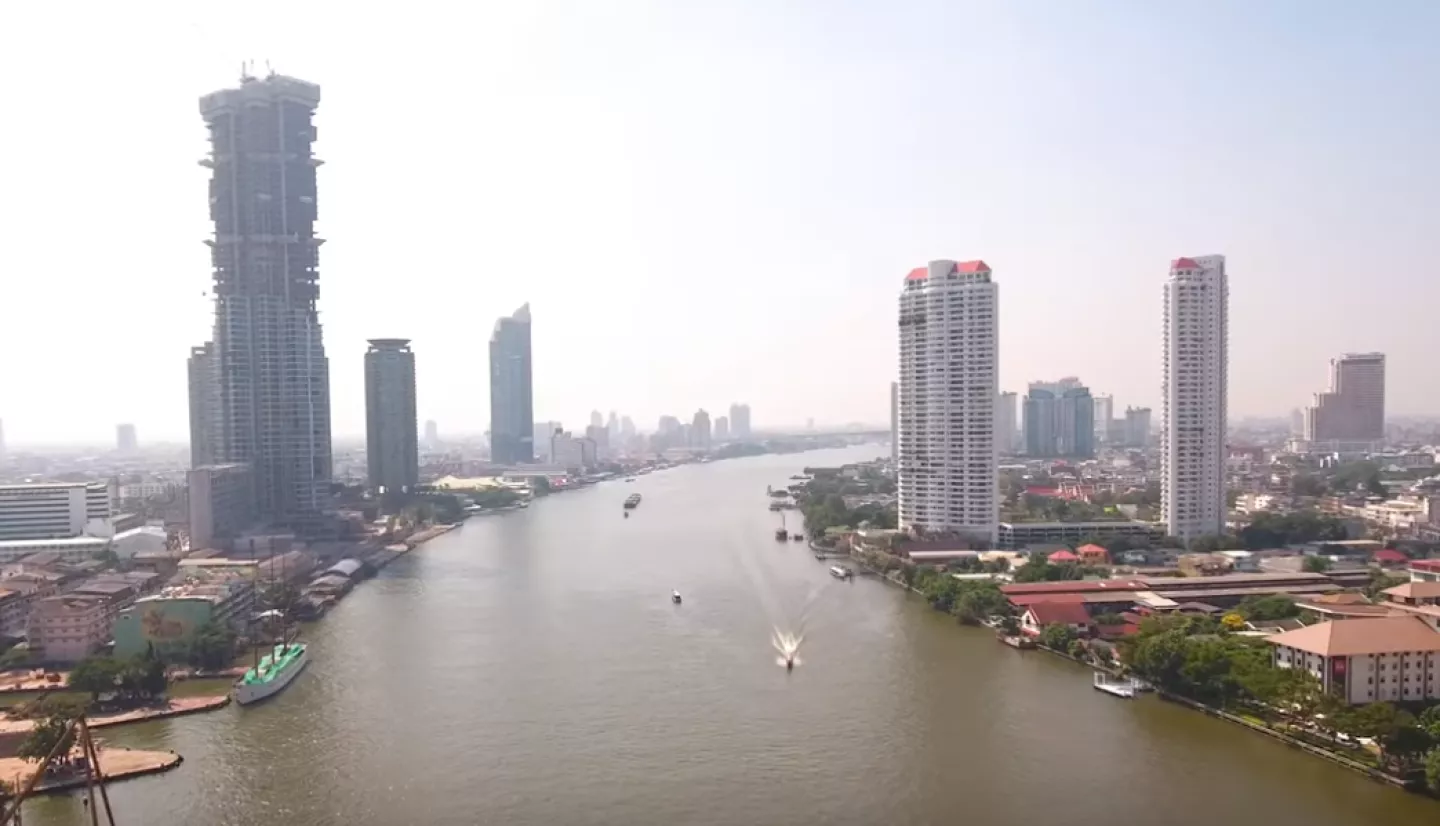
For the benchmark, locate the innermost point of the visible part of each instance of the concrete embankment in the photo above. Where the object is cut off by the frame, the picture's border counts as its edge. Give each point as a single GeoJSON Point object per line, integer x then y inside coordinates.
{"type": "Point", "coordinates": [174, 708]}
{"type": "Point", "coordinates": [115, 764]}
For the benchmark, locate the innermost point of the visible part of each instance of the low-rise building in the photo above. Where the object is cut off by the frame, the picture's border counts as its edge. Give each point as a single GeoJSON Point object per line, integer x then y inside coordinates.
{"type": "Point", "coordinates": [1025, 534]}
{"type": "Point", "coordinates": [71, 549]}
{"type": "Point", "coordinates": [1072, 615]}
{"type": "Point", "coordinates": [170, 620]}
{"type": "Point", "coordinates": [1425, 570]}
{"type": "Point", "coordinates": [1394, 659]}
{"type": "Point", "coordinates": [1414, 593]}
{"type": "Point", "coordinates": [68, 628]}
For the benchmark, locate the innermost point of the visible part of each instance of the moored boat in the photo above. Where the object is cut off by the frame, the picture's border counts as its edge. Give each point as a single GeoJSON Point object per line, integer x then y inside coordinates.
{"type": "Point", "coordinates": [632, 501]}
{"type": "Point", "coordinates": [272, 673]}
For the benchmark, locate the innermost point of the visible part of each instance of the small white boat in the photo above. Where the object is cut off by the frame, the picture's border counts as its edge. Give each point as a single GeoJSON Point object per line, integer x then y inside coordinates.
{"type": "Point", "coordinates": [1125, 689]}
{"type": "Point", "coordinates": [675, 597]}
{"type": "Point", "coordinates": [841, 572]}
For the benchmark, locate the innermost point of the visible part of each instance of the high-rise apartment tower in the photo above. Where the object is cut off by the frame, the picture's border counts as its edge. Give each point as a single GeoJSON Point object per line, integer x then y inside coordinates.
{"type": "Point", "coordinates": [1196, 354]}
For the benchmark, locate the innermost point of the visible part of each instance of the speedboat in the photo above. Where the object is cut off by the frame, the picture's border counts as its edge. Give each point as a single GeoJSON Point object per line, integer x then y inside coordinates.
{"type": "Point", "coordinates": [675, 597]}
{"type": "Point", "coordinates": [841, 572]}
{"type": "Point", "coordinates": [782, 534]}
{"type": "Point", "coordinates": [790, 663]}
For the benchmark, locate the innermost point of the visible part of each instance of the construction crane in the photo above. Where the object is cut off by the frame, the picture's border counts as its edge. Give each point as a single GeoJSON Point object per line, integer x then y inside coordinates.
{"type": "Point", "coordinates": [77, 733]}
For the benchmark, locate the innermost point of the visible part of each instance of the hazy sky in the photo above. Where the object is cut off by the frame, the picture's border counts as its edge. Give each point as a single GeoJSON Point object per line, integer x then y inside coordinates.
{"type": "Point", "coordinates": [709, 202]}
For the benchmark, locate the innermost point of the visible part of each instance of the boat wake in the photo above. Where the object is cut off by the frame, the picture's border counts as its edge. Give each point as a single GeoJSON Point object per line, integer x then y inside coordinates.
{"type": "Point", "coordinates": [789, 647]}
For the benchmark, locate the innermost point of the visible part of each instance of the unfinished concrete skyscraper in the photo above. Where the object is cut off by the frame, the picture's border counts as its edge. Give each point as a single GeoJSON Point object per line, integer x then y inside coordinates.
{"type": "Point", "coordinates": [271, 379]}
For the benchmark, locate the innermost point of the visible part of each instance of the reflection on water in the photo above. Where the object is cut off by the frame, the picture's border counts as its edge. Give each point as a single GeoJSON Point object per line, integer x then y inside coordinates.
{"type": "Point", "coordinates": [531, 669]}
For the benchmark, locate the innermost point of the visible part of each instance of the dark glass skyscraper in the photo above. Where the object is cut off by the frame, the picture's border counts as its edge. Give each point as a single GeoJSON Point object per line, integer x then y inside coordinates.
{"type": "Point", "coordinates": [271, 381]}
{"type": "Point", "coordinates": [391, 430]}
{"type": "Point", "coordinates": [1060, 420]}
{"type": "Point", "coordinates": [512, 407]}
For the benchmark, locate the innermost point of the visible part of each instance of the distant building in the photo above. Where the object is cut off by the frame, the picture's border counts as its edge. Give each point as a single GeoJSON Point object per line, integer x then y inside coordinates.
{"type": "Point", "coordinates": [1104, 417]}
{"type": "Point", "coordinates": [700, 430]}
{"type": "Point", "coordinates": [432, 433]}
{"type": "Point", "coordinates": [171, 619]}
{"type": "Point", "coordinates": [221, 503]}
{"type": "Point", "coordinates": [392, 446]}
{"type": "Point", "coordinates": [948, 384]}
{"type": "Point", "coordinates": [895, 424]}
{"type": "Point", "coordinates": [204, 406]}
{"type": "Point", "coordinates": [1137, 427]}
{"type": "Point", "coordinates": [599, 437]}
{"type": "Point", "coordinates": [1353, 411]}
{"type": "Point", "coordinates": [512, 407]}
{"type": "Point", "coordinates": [1196, 360]}
{"type": "Point", "coordinates": [55, 511]}
{"type": "Point", "coordinates": [1059, 420]}
{"type": "Point", "coordinates": [544, 431]}
{"type": "Point", "coordinates": [1007, 422]}
{"type": "Point", "coordinates": [722, 429]}
{"type": "Point", "coordinates": [566, 451]}
{"type": "Point", "coordinates": [740, 420]}
{"type": "Point", "coordinates": [125, 440]}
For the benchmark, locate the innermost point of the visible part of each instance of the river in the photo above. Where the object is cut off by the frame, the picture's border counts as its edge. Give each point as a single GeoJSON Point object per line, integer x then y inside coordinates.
{"type": "Point", "coordinates": [530, 669]}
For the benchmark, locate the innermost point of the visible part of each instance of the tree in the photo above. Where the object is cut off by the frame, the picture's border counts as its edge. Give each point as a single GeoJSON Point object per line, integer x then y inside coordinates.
{"type": "Point", "coordinates": [1232, 622]}
{"type": "Point", "coordinates": [1057, 637]}
{"type": "Point", "coordinates": [48, 734]}
{"type": "Point", "coordinates": [18, 656]}
{"type": "Point", "coordinates": [1076, 649]}
{"type": "Point", "coordinates": [1109, 618]}
{"type": "Point", "coordinates": [95, 676]}
{"type": "Point", "coordinates": [1272, 607]}
{"type": "Point", "coordinates": [212, 648]}
{"type": "Point", "coordinates": [1432, 770]}
{"type": "Point", "coordinates": [1315, 564]}
{"type": "Point", "coordinates": [1406, 745]}
{"type": "Point", "coordinates": [1010, 626]}
{"type": "Point", "coordinates": [1430, 721]}
{"type": "Point", "coordinates": [1307, 484]}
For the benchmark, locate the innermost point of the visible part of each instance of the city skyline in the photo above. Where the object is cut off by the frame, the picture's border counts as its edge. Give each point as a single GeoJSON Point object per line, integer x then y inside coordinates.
{"type": "Point", "coordinates": [634, 192]}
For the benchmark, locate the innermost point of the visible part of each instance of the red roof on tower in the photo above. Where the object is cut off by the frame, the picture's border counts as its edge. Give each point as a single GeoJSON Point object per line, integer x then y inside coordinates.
{"type": "Point", "coordinates": [1184, 264]}
{"type": "Point", "coordinates": [972, 266]}
{"type": "Point", "coordinates": [918, 274]}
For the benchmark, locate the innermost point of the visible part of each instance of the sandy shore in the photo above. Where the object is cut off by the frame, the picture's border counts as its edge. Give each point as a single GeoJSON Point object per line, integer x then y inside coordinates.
{"type": "Point", "coordinates": [116, 763]}
{"type": "Point", "coordinates": [173, 708]}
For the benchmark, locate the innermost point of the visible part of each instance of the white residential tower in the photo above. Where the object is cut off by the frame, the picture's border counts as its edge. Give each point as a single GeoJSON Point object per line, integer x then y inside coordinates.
{"type": "Point", "coordinates": [948, 391]}
{"type": "Point", "coordinates": [1196, 356]}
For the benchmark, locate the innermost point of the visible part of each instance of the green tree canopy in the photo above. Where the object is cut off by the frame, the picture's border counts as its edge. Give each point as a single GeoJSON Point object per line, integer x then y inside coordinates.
{"type": "Point", "coordinates": [43, 739]}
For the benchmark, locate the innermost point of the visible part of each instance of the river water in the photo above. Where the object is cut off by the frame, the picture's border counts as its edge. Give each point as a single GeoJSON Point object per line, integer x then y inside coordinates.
{"type": "Point", "coordinates": [530, 669]}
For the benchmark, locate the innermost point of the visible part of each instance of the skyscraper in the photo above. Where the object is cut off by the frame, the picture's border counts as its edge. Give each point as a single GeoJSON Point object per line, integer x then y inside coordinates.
{"type": "Point", "coordinates": [512, 407]}
{"type": "Point", "coordinates": [125, 440]}
{"type": "Point", "coordinates": [392, 446]}
{"type": "Point", "coordinates": [1354, 409]}
{"type": "Point", "coordinates": [1006, 422]}
{"type": "Point", "coordinates": [948, 385]}
{"type": "Point", "coordinates": [204, 406]}
{"type": "Point", "coordinates": [432, 433]}
{"type": "Point", "coordinates": [266, 360]}
{"type": "Point", "coordinates": [1104, 416]}
{"type": "Point", "coordinates": [1196, 352]}
{"type": "Point", "coordinates": [722, 429]}
{"type": "Point", "coordinates": [1060, 420]}
{"type": "Point", "coordinates": [700, 430]}
{"type": "Point", "coordinates": [740, 420]}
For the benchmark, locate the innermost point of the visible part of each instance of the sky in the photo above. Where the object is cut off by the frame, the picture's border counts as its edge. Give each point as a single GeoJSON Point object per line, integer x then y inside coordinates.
{"type": "Point", "coordinates": [706, 203]}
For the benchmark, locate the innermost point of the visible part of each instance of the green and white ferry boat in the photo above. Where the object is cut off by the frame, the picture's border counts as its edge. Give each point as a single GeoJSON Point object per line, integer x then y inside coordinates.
{"type": "Point", "coordinates": [272, 672]}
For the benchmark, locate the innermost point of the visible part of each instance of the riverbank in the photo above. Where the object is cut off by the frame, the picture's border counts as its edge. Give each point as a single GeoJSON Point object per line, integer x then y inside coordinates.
{"type": "Point", "coordinates": [175, 707]}
{"type": "Point", "coordinates": [1331, 755]}
{"type": "Point", "coordinates": [116, 763]}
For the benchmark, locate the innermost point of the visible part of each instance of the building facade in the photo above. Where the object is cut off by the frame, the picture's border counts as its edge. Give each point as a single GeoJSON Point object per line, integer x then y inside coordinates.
{"type": "Point", "coordinates": [722, 429]}
{"type": "Point", "coordinates": [221, 503]}
{"type": "Point", "coordinates": [1060, 420]}
{"type": "Point", "coordinates": [55, 511]}
{"type": "Point", "coordinates": [1196, 380]}
{"type": "Point", "coordinates": [1353, 411]}
{"type": "Point", "coordinates": [948, 480]}
{"type": "Point", "coordinates": [512, 405]}
{"type": "Point", "coordinates": [266, 371]}
{"type": "Point", "coordinates": [392, 439]}
{"type": "Point", "coordinates": [1384, 659]}
{"type": "Point", "coordinates": [1007, 423]}
{"type": "Point", "coordinates": [67, 629]}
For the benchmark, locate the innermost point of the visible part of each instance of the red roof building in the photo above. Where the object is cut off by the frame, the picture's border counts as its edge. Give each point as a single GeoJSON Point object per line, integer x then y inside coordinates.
{"type": "Point", "coordinates": [1184, 264]}
{"type": "Point", "coordinates": [1041, 614]}
{"type": "Point", "coordinates": [1093, 555]}
{"type": "Point", "coordinates": [1061, 558]}
{"type": "Point", "coordinates": [1389, 556]}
